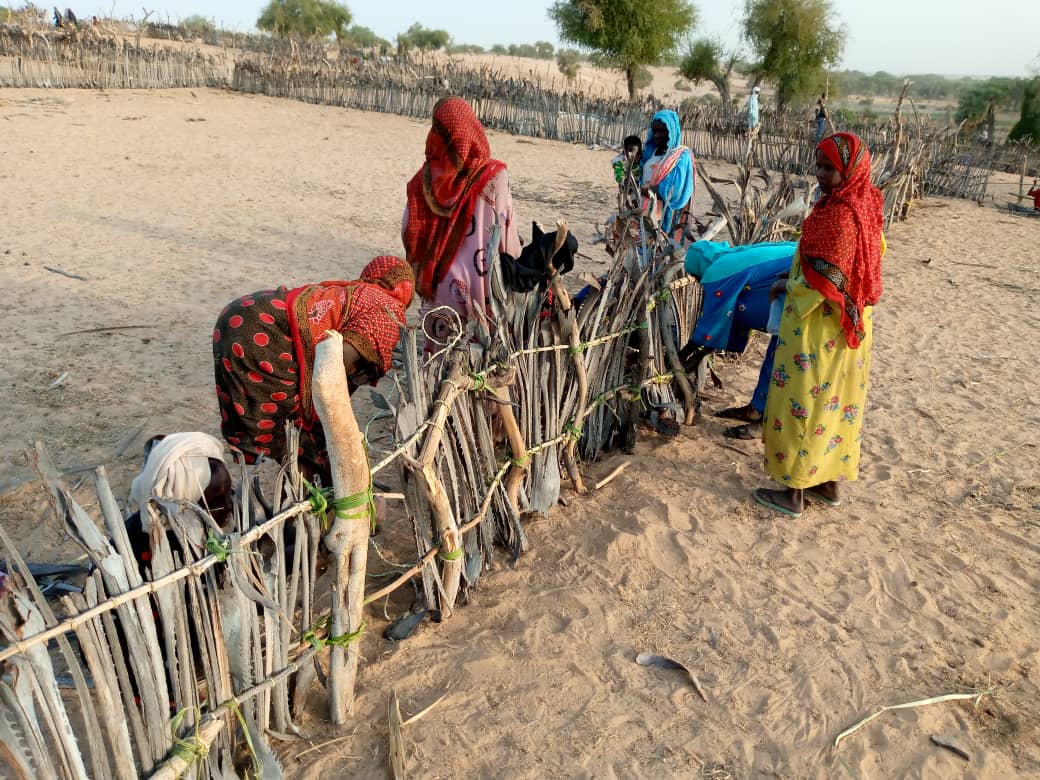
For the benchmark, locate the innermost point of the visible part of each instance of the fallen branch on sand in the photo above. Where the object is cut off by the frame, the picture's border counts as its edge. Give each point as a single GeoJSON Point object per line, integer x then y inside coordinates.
{"type": "Point", "coordinates": [397, 723]}
{"type": "Point", "coordinates": [607, 479]}
{"type": "Point", "coordinates": [909, 705]}
{"type": "Point", "coordinates": [103, 330]}
{"type": "Point", "coordinates": [65, 273]}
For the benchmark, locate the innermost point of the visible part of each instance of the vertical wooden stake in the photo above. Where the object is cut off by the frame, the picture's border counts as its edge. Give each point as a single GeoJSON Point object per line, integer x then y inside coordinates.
{"type": "Point", "coordinates": [347, 539]}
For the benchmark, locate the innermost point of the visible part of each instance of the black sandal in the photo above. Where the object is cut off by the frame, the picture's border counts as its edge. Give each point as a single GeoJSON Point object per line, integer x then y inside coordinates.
{"type": "Point", "coordinates": [742, 413]}
{"type": "Point", "coordinates": [742, 432]}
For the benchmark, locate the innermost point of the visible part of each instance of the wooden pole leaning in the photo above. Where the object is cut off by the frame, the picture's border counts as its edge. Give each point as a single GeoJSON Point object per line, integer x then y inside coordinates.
{"type": "Point", "coordinates": [565, 317]}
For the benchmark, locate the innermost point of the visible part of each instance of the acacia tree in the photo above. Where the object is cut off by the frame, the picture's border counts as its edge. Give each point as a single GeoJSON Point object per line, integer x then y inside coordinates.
{"type": "Point", "coordinates": [1028, 125]}
{"type": "Point", "coordinates": [305, 18]}
{"type": "Point", "coordinates": [423, 38]}
{"type": "Point", "coordinates": [569, 63]}
{"type": "Point", "coordinates": [629, 34]}
{"type": "Point", "coordinates": [979, 104]}
{"type": "Point", "coordinates": [708, 60]}
{"type": "Point", "coordinates": [795, 42]}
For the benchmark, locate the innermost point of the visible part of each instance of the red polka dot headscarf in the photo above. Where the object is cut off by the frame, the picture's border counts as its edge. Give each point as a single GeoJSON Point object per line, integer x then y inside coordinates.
{"type": "Point", "coordinates": [840, 245]}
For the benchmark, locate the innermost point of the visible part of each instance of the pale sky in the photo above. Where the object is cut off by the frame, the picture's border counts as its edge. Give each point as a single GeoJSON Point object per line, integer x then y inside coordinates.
{"type": "Point", "coordinates": [955, 37]}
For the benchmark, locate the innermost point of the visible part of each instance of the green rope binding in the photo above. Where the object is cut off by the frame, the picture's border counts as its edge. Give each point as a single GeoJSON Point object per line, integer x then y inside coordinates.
{"type": "Point", "coordinates": [454, 555]}
{"type": "Point", "coordinates": [343, 506]}
{"type": "Point", "coordinates": [319, 498]}
{"type": "Point", "coordinates": [343, 640]}
{"type": "Point", "coordinates": [321, 504]}
{"type": "Point", "coordinates": [217, 547]}
{"type": "Point", "coordinates": [188, 749]}
{"type": "Point", "coordinates": [220, 548]}
{"type": "Point", "coordinates": [346, 640]}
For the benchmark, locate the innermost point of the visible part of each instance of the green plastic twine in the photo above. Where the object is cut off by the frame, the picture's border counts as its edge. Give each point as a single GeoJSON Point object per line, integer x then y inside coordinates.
{"type": "Point", "coordinates": [217, 547]}
{"type": "Point", "coordinates": [454, 555]}
{"type": "Point", "coordinates": [573, 430]}
{"type": "Point", "coordinates": [321, 504]}
{"type": "Point", "coordinates": [191, 748]}
{"type": "Point", "coordinates": [343, 506]}
{"type": "Point", "coordinates": [479, 382]}
{"type": "Point", "coordinates": [319, 498]}
{"type": "Point", "coordinates": [345, 640]}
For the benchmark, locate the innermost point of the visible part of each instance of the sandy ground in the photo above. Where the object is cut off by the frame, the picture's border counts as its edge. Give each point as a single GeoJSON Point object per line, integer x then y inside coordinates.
{"type": "Point", "coordinates": [926, 582]}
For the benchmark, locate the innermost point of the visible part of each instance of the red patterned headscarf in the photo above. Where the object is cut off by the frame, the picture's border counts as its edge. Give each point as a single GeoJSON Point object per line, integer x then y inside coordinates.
{"type": "Point", "coordinates": [392, 274]}
{"type": "Point", "coordinates": [442, 196]}
{"type": "Point", "coordinates": [369, 313]}
{"type": "Point", "coordinates": [841, 238]}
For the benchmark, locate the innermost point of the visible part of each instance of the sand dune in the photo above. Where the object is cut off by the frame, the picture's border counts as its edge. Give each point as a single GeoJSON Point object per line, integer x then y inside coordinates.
{"type": "Point", "coordinates": [926, 582]}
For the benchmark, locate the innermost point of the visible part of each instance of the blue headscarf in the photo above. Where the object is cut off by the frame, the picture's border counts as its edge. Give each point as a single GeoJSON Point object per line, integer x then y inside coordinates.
{"type": "Point", "coordinates": [676, 189]}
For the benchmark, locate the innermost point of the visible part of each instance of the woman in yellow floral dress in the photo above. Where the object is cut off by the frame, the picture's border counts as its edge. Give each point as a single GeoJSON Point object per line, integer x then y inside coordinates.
{"type": "Point", "coordinates": [814, 412]}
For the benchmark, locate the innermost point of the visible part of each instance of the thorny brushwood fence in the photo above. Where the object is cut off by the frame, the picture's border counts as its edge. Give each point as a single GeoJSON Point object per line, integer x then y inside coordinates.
{"type": "Point", "coordinates": [411, 86]}
{"type": "Point", "coordinates": [221, 646]}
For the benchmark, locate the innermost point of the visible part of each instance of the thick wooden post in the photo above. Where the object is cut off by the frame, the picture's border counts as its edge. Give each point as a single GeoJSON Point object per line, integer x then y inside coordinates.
{"type": "Point", "coordinates": [347, 539]}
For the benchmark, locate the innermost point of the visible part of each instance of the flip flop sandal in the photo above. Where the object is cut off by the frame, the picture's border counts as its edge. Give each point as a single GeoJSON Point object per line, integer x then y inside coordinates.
{"type": "Point", "coordinates": [810, 493]}
{"type": "Point", "coordinates": [757, 495]}
{"type": "Point", "coordinates": [664, 425]}
{"type": "Point", "coordinates": [742, 432]}
{"type": "Point", "coordinates": [742, 413]}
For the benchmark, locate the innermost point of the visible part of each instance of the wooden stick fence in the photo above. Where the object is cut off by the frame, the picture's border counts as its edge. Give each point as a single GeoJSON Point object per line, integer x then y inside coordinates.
{"type": "Point", "coordinates": [80, 60]}
{"type": "Point", "coordinates": [218, 630]}
{"type": "Point", "coordinates": [411, 87]}
{"type": "Point", "coordinates": [213, 640]}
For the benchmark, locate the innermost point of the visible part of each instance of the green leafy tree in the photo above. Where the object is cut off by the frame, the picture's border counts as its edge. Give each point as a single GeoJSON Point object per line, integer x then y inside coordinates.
{"type": "Point", "coordinates": [629, 34]}
{"type": "Point", "coordinates": [465, 48]}
{"type": "Point", "coordinates": [358, 37]}
{"type": "Point", "coordinates": [498, 48]}
{"type": "Point", "coordinates": [423, 38]}
{"type": "Point", "coordinates": [795, 42]}
{"type": "Point", "coordinates": [544, 50]}
{"type": "Point", "coordinates": [1028, 125]}
{"type": "Point", "coordinates": [980, 103]}
{"type": "Point", "coordinates": [305, 18]}
{"type": "Point", "coordinates": [569, 63]}
{"type": "Point", "coordinates": [522, 50]}
{"type": "Point", "coordinates": [199, 25]}
{"type": "Point", "coordinates": [707, 60]}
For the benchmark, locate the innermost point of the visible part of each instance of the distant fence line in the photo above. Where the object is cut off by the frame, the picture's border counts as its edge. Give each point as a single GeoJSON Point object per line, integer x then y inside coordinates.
{"type": "Point", "coordinates": [92, 62]}
{"type": "Point", "coordinates": [523, 108]}
{"type": "Point", "coordinates": [411, 86]}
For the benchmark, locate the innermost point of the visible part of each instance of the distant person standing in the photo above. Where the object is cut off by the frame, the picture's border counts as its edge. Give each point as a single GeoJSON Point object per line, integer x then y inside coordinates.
{"type": "Point", "coordinates": [752, 109]}
{"type": "Point", "coordinates": [821, 119]}
{"type": "Point", "coordinates": [1034, 193]}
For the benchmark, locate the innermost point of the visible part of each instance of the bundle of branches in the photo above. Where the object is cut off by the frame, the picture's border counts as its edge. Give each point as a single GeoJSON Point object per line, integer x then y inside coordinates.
{"type": "Point", "coordinates": [769, 207]}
